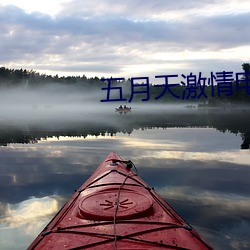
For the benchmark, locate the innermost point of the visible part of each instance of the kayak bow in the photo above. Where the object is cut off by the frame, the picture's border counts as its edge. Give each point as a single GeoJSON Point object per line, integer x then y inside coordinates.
{"type": "Point", "coordinates": [116, 209]}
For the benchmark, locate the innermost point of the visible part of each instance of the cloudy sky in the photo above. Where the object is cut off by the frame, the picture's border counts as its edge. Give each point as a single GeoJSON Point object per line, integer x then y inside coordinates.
{"type": "Point", "coordinates": [133, 38]}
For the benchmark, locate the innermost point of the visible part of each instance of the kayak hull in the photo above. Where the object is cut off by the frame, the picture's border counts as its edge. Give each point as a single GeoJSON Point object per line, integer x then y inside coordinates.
{"type": "Point", "coordinates": [116, 209]}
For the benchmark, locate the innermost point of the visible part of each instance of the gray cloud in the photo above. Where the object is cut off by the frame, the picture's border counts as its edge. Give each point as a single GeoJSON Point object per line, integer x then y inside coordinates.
{"type": "Point", "coordinates": [142, 8]}
{"type": "Point", "coordinates": [108, 38]}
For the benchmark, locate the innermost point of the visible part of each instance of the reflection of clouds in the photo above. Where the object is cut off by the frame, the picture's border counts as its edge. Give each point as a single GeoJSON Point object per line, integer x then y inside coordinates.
{"type": "Point", "coordinates": [226, 240]}
{"type": "Point", "coordinates": [147, 141]}
{"type": "Point", "coordinates": [22, 222]}
{"type": "Point", "coordinates": [228, 203]}
{"type": "Point", "coordinates": [175, 143]}
{"type": "Point", "coordinates": [185, 139]}
{"type": "Point", "coordinates": [146, 144]}
{"type": "Point", "coordinates": [49, 158]}
{"type": "Point", "coordinates": [222, 219]}
{"type": "Point", "coordinates": [234, 156]}
{"type": "Point", "coordinates": [29, 212]}
{"type": "Point", "coordinates": [2, 209]}
{"type": "Point", "coordinates": [204, 177]}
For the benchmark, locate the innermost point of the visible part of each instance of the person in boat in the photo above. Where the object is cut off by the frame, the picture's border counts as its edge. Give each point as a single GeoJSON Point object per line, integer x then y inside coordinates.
{"type": "Point", "coordinates": [120, 107]}
{"type": "Point", "coordinates": [125, 107]}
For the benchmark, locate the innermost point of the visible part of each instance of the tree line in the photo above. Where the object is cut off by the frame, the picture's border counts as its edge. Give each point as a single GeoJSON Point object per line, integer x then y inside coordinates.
{"type": "Point", "coordinates": [208, 96]}
{"type": "Point", "coordinates": [31, 78]}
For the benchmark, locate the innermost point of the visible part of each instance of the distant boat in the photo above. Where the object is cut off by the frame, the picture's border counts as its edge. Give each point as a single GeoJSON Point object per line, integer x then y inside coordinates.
{"type": "Point", "coordinates": [125, 110]}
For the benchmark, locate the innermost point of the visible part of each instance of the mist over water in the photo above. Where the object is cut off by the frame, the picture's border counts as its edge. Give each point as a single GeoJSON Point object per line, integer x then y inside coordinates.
{"type": "Point", "coordinates": [63, 104]}
{"type": "Point", "coordinates": [51, 102]}
{"type": "Point", "coordinates": [59, 102]}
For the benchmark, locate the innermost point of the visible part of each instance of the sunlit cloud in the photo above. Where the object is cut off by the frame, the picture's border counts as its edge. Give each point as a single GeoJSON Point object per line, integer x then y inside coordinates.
{"type": "Point", "coordinates": [46, 6]}
{"type": "Point", "coordinates": [228, 54]}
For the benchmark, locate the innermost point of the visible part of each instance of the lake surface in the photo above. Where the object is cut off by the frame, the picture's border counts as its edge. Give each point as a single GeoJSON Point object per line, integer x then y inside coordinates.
{"type": "Point", "coordinates": [197, 160]}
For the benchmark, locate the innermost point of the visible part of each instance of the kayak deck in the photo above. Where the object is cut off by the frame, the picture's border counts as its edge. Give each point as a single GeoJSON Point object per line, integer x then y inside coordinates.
{"type": "Point", "coordinates": [116, 209]}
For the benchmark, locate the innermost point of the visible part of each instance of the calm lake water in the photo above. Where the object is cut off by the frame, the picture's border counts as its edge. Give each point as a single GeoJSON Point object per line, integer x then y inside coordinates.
{"type": "Point", "coordinates": [197, 160]}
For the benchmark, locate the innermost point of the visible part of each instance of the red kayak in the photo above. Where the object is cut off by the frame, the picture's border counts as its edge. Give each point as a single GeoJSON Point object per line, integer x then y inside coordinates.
{"type": "Point", "coordinates": [116, 209]}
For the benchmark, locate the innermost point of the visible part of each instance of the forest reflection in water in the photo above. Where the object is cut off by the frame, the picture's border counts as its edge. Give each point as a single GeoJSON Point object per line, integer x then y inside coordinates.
{"type": "Point", "coordinates": [53, 123]}
{"type": "Point", "coordinates": [194, 160]}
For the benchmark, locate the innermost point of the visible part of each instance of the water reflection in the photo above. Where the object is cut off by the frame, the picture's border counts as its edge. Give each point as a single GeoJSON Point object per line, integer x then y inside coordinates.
{"type": "Point", "coordinates": [31, 210]}
{"type": "Point", "coordinates": [200, 171]}
{"type": "Point", "coordinates": [235, 121]}
{"type": "Point", "coordinates": [21, 221]}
